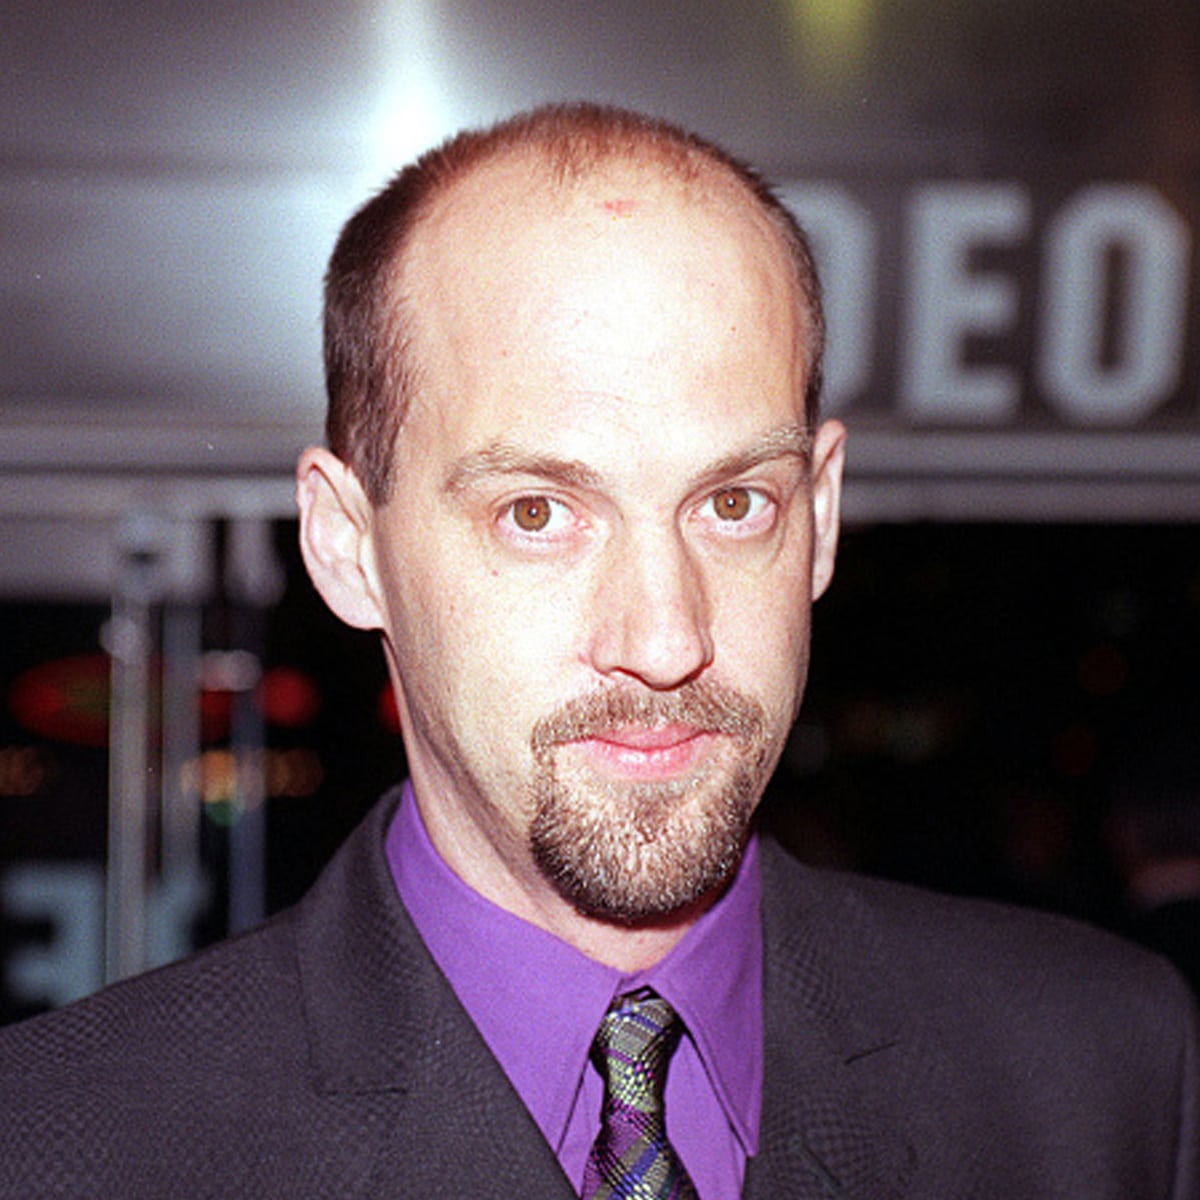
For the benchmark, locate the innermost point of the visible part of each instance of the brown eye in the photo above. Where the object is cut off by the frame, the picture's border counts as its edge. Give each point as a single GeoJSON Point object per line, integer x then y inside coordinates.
{"type": "Point", "coordinates": [531, 513]}
{"type": "Point", "coordinates": [732, 504]}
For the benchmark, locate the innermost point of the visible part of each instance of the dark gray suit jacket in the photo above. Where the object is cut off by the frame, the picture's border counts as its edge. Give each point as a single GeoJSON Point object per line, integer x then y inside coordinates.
{"type": "Point", "coordinates": [915, 1046]}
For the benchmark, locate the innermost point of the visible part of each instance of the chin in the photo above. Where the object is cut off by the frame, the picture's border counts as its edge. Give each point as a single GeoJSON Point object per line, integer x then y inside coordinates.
{"type": "Point", "coordinates": [640, 853]}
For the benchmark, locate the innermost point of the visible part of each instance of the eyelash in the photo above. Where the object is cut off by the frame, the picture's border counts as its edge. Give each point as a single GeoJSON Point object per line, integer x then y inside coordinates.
{"type": "Point", "coordinates": [761, 511]}
{"type": "Point", "coordinates": [558, 511]}
{"type": "Point", "coordinates": [561, 514]}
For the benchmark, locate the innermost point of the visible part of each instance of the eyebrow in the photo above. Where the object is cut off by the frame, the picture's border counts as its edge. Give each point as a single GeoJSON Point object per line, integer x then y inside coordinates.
{"type": "Point", "coordinates": [503, 458]}
{"type": "Point", "coordinates": [786, 441]}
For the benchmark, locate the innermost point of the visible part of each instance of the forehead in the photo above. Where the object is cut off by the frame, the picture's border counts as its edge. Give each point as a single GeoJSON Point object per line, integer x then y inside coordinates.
{"type": "Point", "coordinates": [515, 221]}
{"type": "Point", "coordinates": [628, 282]}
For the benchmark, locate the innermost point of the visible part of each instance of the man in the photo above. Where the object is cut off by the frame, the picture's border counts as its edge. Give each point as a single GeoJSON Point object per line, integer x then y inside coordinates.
{"type": "Point", "coordinates": [576, 481]}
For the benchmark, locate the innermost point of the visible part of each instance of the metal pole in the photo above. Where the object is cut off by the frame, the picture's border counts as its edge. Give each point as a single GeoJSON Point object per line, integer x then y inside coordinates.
{"type": "Point", "coordinates": [181, 787]}
{"type": "Point", "coordinates": [130, 639]}
{"type": "Point", "coordinates": [254, 581]}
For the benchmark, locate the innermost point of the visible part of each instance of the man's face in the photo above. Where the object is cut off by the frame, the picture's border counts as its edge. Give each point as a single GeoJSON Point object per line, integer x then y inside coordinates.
{"type": "Point", "coordinates": [596, 569]}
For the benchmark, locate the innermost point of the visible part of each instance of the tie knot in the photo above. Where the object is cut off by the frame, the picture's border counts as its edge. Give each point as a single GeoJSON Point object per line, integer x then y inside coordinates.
{"type": "Point", "coordinates": [631, 1158]}
{"type": "Point", "coordinates": [632, 1048]}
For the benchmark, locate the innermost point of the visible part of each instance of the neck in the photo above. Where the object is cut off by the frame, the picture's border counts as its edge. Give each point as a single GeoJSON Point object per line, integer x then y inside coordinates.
{"type": "Point", "coordinates": [629, 948]}
{"type": "Point", "coordinates": [513, 882]}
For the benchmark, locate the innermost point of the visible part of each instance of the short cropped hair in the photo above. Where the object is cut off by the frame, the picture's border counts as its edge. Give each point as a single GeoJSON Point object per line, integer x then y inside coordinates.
{"type": "Point", "coordinates": [370, 372]}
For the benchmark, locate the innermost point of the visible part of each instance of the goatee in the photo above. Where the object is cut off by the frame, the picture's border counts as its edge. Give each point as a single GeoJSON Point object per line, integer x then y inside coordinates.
{"type": "Point", "coordinates": [633, 852]}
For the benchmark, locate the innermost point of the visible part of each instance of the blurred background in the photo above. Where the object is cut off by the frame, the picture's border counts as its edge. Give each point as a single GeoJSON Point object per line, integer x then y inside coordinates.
{"type": "Point", "coordinates": [1004, 198]}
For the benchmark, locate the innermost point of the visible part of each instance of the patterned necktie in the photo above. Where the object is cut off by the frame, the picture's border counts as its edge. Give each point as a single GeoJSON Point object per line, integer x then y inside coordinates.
{"type": "Point", "coordinates": [631, 1158]}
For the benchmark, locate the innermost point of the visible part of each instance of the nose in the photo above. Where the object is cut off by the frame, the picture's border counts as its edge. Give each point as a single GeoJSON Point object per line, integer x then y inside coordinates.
{"type": "Point", "coordinates": [651, 620]}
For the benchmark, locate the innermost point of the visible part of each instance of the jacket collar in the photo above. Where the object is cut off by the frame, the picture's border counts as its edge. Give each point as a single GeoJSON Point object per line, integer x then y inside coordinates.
{"type": "Point", "coordinates": [381, 1017]}
{"type": "Point", "coordinates": [829, 1049]}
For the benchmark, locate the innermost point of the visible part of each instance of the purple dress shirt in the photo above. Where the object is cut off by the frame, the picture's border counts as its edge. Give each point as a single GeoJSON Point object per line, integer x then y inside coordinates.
{"type": "Point", "coordinates": [502, 967]}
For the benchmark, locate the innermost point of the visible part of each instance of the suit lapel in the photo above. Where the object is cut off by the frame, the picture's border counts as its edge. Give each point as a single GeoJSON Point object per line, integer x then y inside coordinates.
{"type": "Point", "coordinates": [825, 1132]}
{"type": "Point", "coordinates": [397, 1057]}
{"type": "Point", "coordinates": [382, 1019]}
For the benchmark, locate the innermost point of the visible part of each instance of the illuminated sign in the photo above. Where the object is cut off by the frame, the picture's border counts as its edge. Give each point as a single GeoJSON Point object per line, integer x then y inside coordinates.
{"type": "Point", "coordinates": [1006, 313]}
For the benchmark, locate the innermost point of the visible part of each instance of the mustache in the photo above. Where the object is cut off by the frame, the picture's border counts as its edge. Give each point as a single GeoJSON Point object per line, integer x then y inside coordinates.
{"type": "Point", "coordinates": [705, 705]}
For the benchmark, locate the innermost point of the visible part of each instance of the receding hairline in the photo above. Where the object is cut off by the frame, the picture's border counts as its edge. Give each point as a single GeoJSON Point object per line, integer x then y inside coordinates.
{"type": "Point", "coordinates": [565, 147]}
{"type": "Point", "coordinates": [541, 171]}
{"type": "Point", "coordinates": [547, 173]}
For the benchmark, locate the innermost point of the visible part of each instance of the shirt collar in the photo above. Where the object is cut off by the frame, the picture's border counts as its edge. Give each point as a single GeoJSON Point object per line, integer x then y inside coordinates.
{"type": "Point", "coordinates": [713, 980]}
{"type": "Point", "coordinates": [500, 966]}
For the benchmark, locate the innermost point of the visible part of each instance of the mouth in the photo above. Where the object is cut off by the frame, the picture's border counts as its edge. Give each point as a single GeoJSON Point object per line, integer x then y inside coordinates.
{"type": "Point", "coordinates": [647, 754]}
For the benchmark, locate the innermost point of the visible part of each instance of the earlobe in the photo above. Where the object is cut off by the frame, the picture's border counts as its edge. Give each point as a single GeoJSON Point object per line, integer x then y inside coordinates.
{"type": "Point", "coordinates": [335, 537]}
{"type": "Point", "coordinates": [829, 455]}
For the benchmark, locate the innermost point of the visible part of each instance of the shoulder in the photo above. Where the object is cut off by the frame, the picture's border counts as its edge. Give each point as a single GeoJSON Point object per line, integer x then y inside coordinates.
{"type": "Point", "coordinates": [1004, 1043]}
{"type": "Point", "coordinates": [987, 990]}
{"type": "Point", "coordinates": [929, 944]}
{"type": "Point", "coordinates": [233, 999]}
{"type": "Point", "coordinates": [213, 998]}
{"type": "Point", "coordinates": [212, 1068]}
{"type": "Point", "coordinates": [985, 985]}
{"type": "Point", "coordinates": [132, 1090]}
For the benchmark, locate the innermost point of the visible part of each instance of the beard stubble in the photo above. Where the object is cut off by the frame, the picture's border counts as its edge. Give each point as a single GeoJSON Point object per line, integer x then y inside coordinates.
{"type": "Point", "coordinates": [632, 852]}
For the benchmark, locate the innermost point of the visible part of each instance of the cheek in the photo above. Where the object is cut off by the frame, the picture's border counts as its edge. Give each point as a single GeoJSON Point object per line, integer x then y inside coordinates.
{"type": "Point", "coordinates": [503, 641]}
{"type": "Point", "coordinates": [536, 630]}
{"type": "Point", "coordinates": [762, 635]}
{"type": "Point", "coordinates": [425, 624]}
{"type": "Point", "coordinates": [769, 641]}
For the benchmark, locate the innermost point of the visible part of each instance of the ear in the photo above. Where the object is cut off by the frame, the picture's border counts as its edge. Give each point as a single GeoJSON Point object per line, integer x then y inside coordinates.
{"type": "Point", "coordinates": [829, 456]}
{"type": "Point", "coordinates": [335, 537]}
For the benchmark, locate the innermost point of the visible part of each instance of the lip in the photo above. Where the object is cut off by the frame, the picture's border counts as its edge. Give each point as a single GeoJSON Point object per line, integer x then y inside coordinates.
{"type": "Point", "coordinates": [642, 753]}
